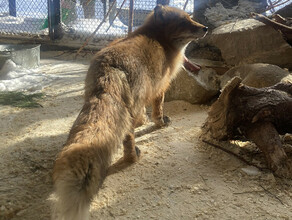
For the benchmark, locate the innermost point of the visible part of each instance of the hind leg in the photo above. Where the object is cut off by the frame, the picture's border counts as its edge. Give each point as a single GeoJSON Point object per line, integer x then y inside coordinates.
{"type": "Point", "coordinates": [158, 118]}
{"type": "Point", "coordinates": [131, 154]}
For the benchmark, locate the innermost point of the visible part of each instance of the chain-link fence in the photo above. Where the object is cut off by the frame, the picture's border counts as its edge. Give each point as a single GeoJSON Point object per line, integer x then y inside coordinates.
{"type": "Point", "coordinates": [85, 16]}
{"type": "Point", "coordinates": [79, 18]}
{"type": "Point", "coordinates": [22, 16]}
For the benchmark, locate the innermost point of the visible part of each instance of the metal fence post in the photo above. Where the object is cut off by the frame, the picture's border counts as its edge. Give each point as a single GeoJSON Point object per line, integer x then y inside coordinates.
{"type": "Point", "coordinates": [54, 19]}
{"type": "Point", "coordinates": [105, 7]}
{"type": "Point", "coordinates": [199, 10]}
{"type": "Point", "coordinates": [12, 8]}
{"type": "Point", "coordinates": [131, 16]}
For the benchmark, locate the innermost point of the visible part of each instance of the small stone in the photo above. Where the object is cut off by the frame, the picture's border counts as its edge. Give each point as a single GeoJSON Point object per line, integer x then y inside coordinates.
{"type": "Point", "coordinates": [194, 89]}
{"type": "Point", "coordinates": [251, 170]}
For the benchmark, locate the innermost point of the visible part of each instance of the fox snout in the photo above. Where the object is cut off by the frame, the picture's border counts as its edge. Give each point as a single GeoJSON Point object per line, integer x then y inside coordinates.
{"type": "Point", "coordinates": [198, 33]}
{"type": "Point", "coordinates": [205, 29]}
{"type": "Point", "coordinates": [201, 31]}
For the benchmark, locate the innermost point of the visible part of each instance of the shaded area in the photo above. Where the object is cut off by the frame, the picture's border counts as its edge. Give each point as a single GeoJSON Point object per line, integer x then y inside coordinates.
{"type": "Point", "coordinates": [26, 177]}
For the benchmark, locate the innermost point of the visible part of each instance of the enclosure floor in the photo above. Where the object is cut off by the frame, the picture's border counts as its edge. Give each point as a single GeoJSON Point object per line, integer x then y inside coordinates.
{"type": "Point", "coordinates": [177, 177]}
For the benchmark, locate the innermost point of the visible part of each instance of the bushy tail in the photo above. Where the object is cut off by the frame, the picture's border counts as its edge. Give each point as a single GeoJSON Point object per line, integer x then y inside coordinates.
{"type": "Point", "coordinates": [81, 166]}
{"type": "Point", "coordinates": [78, 174]}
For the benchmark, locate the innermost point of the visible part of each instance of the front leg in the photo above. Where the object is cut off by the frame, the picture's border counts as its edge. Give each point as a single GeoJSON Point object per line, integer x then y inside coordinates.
{"type": "Point", "coordinates": [158, 118]}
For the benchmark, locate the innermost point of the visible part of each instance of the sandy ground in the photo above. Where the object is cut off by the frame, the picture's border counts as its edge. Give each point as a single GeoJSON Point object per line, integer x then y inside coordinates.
{"type": "Point", "coordinates": [177, 177]}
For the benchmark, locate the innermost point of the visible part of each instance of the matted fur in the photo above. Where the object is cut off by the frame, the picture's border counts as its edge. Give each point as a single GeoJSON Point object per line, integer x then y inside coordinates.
{"type": "Point", "coordinates": [122, 78]}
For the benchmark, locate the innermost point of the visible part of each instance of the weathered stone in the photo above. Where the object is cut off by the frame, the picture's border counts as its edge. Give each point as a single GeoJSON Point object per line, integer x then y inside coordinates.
{"type": "Point", "coordinates": [194, 89]}
{"type": "Point", "coordinates": [212, 13]}
{"type": "Point", "coordinates": [221, 13]}
{"type": "Point", "coordinates": [250, 41]}
{"type": "Point", "coordinates": [257, 75]}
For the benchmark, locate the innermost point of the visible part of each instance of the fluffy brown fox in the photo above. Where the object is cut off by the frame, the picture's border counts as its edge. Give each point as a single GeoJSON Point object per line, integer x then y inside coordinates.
{"type": "Point", "coordinates": [122, 78]}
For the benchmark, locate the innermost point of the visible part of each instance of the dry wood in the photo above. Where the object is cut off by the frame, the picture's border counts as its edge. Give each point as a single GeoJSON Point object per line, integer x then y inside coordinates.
{"type": "Point", "coordinates": [266, 137]}
{"type": "Point", "coordinates": [279, 19]}
{"type": "Point", "coordinates": [286, 30]}
{"type": "Point", "coordinates": [278, 26]}
{"type": "Point", "coordinates": [259, 114]}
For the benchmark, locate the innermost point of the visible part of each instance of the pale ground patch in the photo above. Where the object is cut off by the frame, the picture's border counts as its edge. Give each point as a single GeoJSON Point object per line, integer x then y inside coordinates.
{"type": "Point", "coordinates": [177, 176]}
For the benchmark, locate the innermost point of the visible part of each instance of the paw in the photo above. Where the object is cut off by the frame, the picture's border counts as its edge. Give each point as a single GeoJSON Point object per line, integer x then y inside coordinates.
{"type": "Point", "coordinates": [163, 122]}
{"type": "Point", "coordinates": [166, 120]}
{"type": "Point", "coordinates": [125, 161]}
{"type": "Point", "coordinates": [138, 152]}
{"type": "Point", "coordinates": [132, 157]}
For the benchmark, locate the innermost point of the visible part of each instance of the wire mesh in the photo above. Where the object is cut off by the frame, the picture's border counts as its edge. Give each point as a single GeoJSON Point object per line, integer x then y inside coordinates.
{"type": "Point", "coordinates": [84, 18]}
{"type": "Point", "coordinates": [23, 16]}
{"type": "Point", "coordinates": [116, 25]}
{"type": "Point", "coordinates": [274, 5]}
{"type": "Point", "coordinates": [80, 18]}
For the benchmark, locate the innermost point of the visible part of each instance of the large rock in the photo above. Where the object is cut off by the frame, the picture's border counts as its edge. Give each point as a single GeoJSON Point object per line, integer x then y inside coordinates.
{"type": "Point", "coordinates": [257, 75]}
{"type": "Point", "coordinates": [216, 12]}
{"type": "Point", "coordinates": [222, 13]}
{"type": "Point", "coordinates": [250, 41]}
{"type": "Point", "coordinates": [194, 89]}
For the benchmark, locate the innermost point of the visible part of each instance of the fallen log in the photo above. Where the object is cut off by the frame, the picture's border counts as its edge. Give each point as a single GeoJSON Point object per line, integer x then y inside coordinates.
{"type": "Point", "coordinates": [258, 114]}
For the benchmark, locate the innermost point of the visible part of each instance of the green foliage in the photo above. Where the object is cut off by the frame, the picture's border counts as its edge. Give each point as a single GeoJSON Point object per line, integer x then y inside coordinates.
{"type": "Point", "coordinates": [20, 100]}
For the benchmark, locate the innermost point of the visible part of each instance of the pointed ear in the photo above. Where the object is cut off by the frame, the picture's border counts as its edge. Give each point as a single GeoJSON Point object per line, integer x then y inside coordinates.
{"type": "Point", "coordinates": [159, 12]}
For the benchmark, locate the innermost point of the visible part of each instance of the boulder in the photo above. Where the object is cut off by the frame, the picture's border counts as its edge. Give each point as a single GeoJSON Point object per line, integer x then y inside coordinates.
{"type": "Point", "coordinates": [250, 41]}
{"type": "Point", "coordinates": [195, 89]}
{"type": "Point", "coordinates": [222, 13]}
{"type": "Point", "coordinates": [215, 12]}
{"type": "Point", "coordinates": [257, 75]}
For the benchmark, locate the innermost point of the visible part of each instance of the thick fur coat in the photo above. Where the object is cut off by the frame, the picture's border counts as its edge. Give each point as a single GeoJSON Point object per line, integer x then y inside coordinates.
{"type": "Point", "coordinates": [122, 78]}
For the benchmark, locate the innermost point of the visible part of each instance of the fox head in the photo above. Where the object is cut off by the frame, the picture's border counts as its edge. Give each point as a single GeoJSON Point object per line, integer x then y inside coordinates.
{"type": "Point", "coordinates": [175, 26]}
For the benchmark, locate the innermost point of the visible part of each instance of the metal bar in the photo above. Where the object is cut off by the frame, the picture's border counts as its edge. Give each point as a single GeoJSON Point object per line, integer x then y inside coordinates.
{"type": "Point", "coordinates": [186, 3]}
{"type": "Point", "coordinates": [58, 18]}
{"type": "Point", "coordinates": [276, 5]}
{"type": "Point", "coordinates": [271, 4]}
{"type": "Point", "coordinates": [113, 12]}
{"type": "Point", "coordinates": [54, 19]}
{"type": "Point", "coordinates": [50, 19]}
{"type": "Point", "coordinates": [131, 16]}
{"type": "Point", "coordinates": [12, 8]}
{"type": "Point", "coordinates": [94, 32]}
{"type": "Point", "coordinates": [117, 14]}
{"type": "Point", "coordinates": [105, 6]}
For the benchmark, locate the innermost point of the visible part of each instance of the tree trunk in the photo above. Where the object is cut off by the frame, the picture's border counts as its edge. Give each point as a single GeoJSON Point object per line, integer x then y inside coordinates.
{"type": "Point", "coordinates": [259, 114]}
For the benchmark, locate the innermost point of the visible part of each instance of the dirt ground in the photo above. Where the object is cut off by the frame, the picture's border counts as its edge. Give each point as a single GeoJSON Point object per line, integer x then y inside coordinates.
{"type": "Point", "coordinates": [177, 177]}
